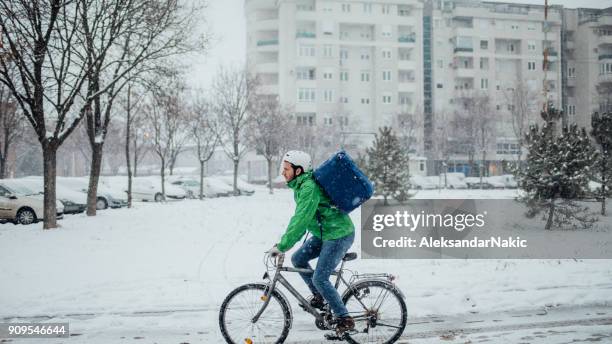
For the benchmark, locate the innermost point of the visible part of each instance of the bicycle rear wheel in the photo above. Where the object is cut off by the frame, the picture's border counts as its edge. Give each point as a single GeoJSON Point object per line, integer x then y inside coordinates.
{"type": "Point", "coordinates": [239, 308]}
{"type": "Point", "coordinates": [379, 312]}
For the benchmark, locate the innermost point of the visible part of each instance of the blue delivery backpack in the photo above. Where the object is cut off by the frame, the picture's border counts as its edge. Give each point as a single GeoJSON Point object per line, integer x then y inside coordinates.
{"type": "Point", "coordinates": [343, 182]}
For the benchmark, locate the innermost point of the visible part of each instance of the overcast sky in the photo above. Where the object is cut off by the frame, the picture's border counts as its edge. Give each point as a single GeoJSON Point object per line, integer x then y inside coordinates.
{"type": "Point", "coordinates": [225, 18]}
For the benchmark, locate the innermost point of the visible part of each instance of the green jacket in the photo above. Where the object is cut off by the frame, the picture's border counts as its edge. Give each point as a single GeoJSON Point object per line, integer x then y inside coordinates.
{"type": "Point", "coordinates": [309, 197]}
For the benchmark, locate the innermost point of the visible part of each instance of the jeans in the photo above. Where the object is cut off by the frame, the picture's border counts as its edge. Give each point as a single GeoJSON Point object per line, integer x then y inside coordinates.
{"type": "Point", "coordinates": [330, 254]}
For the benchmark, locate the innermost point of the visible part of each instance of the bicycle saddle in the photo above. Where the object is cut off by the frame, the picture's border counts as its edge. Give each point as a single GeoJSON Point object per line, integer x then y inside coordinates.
{"type": "Point", "coordinates": [350, 256]}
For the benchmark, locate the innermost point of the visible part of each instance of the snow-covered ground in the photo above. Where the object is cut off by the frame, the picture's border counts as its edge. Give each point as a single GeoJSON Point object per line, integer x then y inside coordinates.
{"type": "Point", "coordinates": [161, 270]}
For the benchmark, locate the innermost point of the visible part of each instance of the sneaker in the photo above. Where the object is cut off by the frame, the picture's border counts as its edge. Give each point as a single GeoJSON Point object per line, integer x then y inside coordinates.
{"type": "Point", "coordinates": [344, 324]}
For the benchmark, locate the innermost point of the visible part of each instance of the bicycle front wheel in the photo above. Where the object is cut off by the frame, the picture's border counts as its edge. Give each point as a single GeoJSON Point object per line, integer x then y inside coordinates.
{"type": "Point", "coordinates": [239, 308]}
{"type": "Point", "coordinates": [379, 312]}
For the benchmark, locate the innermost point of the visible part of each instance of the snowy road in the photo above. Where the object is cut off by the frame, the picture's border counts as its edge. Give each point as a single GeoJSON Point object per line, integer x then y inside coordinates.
{"type": "Point", "coordinates": [547, 325]}
{"type": "Point", "coordinates": [158, 273]}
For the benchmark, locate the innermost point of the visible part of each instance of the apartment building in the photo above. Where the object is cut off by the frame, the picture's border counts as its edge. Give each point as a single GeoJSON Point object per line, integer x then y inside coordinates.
{"type": "Point", "coordinates": [358, 63]}
{"type": "Point", "coordinates": [365, 64]}
{"type": "Point", "coordinates": [588, 57]}
{"type": "Point", "coordinates": [489, 50]}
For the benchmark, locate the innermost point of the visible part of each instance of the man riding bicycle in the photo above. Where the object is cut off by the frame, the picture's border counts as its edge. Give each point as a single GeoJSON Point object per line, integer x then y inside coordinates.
{"type": "Point", "coordinates": [332, 232]}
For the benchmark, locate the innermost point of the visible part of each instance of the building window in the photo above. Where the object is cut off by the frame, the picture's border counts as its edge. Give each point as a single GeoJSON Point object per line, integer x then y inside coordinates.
{"type": "Point", "coordinates": [344, 75]}
{"type": "Point", "coordinates": [306, 95]}
{"type": "Point", "coordinates": [365, 56]}
{"type": "Point", "coordinates": [386, 31]}
{"type": "Point", "coordinates": [440, 86]}
{"type": "Point", "coordinates": [365, 76]}
{"type": "Point", "coordinates": [386, 99]}
{"type": "Point", "coordinates": [305, 118]}
{"type": "Point", "coordinates": [343, 54]}
{"type": "Point", "coordinates": [508, 148]}
{"type": "Point", "coordinates": [484, 45]}
{"type": "Point", "coordinates": [531, 45]}
{"type": "Point", "coordinates": [305, 73]}
{"type": "Point", "coordinates": [367, 8]}
{"type": "Point", "coordinates": [328, 96]}
{"type": "Point", "coordinates": [328, 51]}
{"type": "Point", "coordinates": [328, 75]}
{"type": "Point", "coordinates": [484, 84]}
{"type": "Point", "coordinates": [328, 121]}
{"type": "Point", "coordinates": [346, 8]}
{"type": "Point", "coordinates": [306, 50]}
{"type": "Point", "coordinates": [365, 100]}
{"type": "Point", "coordinates": [344, 100]}
{"type": "Point", "coordinates": [386, 9]}
{"type": "Point", "coordinates": [571, 72]}
{"type": "Point", "coordinates": [531, 65]}
{"type": "Point", "coordinates": [531, 26]}
{"type": "Point", "coordinates": [484, 63]}
{"type": "Point", "coordinates": [386, 75]}
{"type": "Point", "coordinates": [386, 54]}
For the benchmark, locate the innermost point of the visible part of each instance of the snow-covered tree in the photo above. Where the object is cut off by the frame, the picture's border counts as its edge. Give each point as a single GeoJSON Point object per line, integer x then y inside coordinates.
{"type": "Point", "coordinates": [204, 134]}
{"type": "Point", "coordinates": [233, 95]}
{"type": "Point", "coordinates": [602, 133]}
{"type": "Point", "coordinates": [270, 130]}
{"type": "Point", "coordinates": [556, 173]}
{"type": "Point", "coordinates": [387, 166]}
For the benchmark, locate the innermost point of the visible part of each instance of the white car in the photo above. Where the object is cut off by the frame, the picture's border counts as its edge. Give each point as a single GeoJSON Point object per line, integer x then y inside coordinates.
{"type": "Point", "coordinates": [212, 187]}
{"type": "Point", "coordinates": [74, 202]}
{"type": "Point", "coordinates": [424, 183]}
{"type": "Point", "coordinates": [105, 198]}
{"type": "Point", "coordinates": [454, 180]}
{"type": "Point", "coordinates": [149, 190]}
{"type": "Point", "coordinates": [21, 205]}
{"type": "Point", "coordinates": [244, 188]}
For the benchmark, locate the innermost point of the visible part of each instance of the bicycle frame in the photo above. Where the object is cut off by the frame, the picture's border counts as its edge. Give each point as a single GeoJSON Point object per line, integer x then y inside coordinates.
{"type": "Point", "coordinates": [279, 278]}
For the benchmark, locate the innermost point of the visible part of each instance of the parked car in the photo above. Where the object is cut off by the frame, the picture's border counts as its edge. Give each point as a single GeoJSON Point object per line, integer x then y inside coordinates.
{"type": "Point", "coordinates": [149, 190]}
{"type": "Point", "coordinates": [74, 202]}
{"type": "Point", "coordinates": [475, 183]}
{"type": "Point", "coordinates": [21, 205]}
{"type": "Point", "coordinates": [244, 188]}
{"type": "Point", "coordinates": [424, 183]}
{"type": "Point", "coordinates": [217, 188]}
{"type": "Point", "coordinates": [105, 198]}
{"type": "Point", "coordinates": [454, 180]}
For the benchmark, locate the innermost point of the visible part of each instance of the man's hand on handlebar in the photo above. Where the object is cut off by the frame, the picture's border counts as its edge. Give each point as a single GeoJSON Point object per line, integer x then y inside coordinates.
{"type": "Point", "coordinates": [274, 251]}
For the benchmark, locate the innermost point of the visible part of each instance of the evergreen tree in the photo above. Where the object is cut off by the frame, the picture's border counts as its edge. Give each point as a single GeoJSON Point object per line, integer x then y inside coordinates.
{"type": "Point", "coordinates": [602, 133]}
{"type": "Point", "coordinates": [387, 166]}
{"type": "Point", "coordinates": [556, 173]}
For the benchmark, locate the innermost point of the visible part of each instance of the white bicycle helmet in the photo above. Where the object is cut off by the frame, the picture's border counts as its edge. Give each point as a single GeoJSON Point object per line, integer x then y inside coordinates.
{"type": "Point", "coordinates": [299, 159]}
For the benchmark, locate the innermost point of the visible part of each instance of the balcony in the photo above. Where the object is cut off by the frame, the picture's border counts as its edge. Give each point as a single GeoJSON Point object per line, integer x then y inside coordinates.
{"type": "Point", "coordinates": [464, 73]}
{"type": "Point", "coordinates": [304, 34]}
{"type": "Point", "coordinates": [605, 78]}
{"type": "Point", "coordinates": [264, 42]}
{"type": "Point", "coordinates": [605, 57]}
{"type": "Point", "coordinates": [464, 50]}
{"type": "Point", "coordinates": [406, 64]}
{"type": "Point", "coordinates": [407, 38]}
{"type": "Point", "coordinates": [605, 40]}
{"type": "Point", "coordinates": [268, 67]}
{"type": "Point", "coordinates": [409, 87]}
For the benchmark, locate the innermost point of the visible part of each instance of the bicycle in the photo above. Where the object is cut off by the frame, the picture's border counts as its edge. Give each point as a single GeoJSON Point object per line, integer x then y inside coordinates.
{"type": "Point", "coordinates": [261, 313]}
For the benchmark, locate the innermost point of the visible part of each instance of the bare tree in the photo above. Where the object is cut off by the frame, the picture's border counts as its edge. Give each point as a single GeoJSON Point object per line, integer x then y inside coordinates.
{"type": "Point", "coordinates": [123, 37]}
{"type": "Point", "coordinates": [442, 146]}
{"type": "Point", "coordinates": [270, 128]}
{"type": "Point", "coordinates": [204, 134]}
{"type": "Point", "coordinates": [167, 118]}
{"type": "Point", "coordinates": [11, 127]}
{"type": "Point", "coordinates": [475, 123]}
{"type": "Point", "coordinates": [233, 94]}
{"type": "Point", "coordinates": [41, 39]}
{"type": "Point", "coordinates": [523, 104]}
